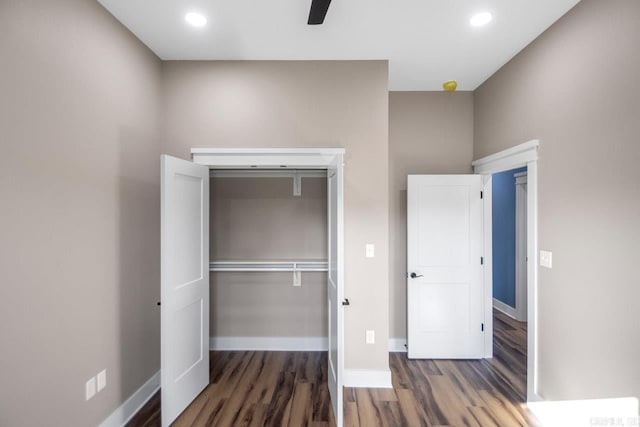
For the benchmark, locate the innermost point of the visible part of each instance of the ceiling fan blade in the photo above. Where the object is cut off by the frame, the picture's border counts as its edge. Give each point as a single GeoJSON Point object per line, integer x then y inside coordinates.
{"type": "Point", "coordinates": [318, 11]}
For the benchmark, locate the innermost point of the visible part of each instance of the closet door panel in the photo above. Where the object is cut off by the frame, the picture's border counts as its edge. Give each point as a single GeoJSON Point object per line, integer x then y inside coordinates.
{"type": "Point", "coordinates": [334, 288]}
{"type": "Point", "coordinates": [184, 315]}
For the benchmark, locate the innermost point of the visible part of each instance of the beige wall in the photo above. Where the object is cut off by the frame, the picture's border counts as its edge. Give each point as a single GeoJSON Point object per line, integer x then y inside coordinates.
{"type": "Point", "coordinates": [429, 133]}
{"type": "Point", "coordinates": [576, 88]}
{"type": "Point", "coordinates": [79, 216]}
{"type": "Point", "coordinates": [261, 219]}
{"type": "Point", "coordinates": [304, 104]}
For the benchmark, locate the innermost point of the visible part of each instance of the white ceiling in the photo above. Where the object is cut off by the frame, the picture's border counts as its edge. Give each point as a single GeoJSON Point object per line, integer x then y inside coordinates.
{"type": "Point", "coordinates": [426, 41]}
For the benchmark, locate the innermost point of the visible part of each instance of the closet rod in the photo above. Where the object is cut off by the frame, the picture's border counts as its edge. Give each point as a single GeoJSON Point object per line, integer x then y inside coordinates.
{"type": "Point", "coordinates": [267, 266]}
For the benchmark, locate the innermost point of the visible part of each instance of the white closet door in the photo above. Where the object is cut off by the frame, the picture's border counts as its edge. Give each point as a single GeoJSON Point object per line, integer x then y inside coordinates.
{"type": "Point", "coordinates": [335, 277]}
{"type": "Point", "coordinates": [445, 295]}
{"type": "Point", "coordinates": [185, 284]}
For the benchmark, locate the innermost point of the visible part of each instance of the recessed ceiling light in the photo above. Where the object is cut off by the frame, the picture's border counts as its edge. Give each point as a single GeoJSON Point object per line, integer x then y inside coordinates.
{"type": "Point", "coordinates": [195, 19]}
{"type": "Point", "coordinates": [480, 19]}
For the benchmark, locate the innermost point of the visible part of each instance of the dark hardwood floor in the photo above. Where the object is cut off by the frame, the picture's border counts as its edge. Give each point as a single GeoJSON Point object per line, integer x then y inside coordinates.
{"type": "Point", "coordinates": [290, 389]}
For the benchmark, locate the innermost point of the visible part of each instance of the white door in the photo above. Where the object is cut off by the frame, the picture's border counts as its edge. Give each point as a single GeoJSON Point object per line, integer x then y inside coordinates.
{"type": "Point", "coordinates": [184, 345]}
{"type": "Point", "coordinates": [444, 263]}
{"type": "Point", "coordinates": [335, 279]}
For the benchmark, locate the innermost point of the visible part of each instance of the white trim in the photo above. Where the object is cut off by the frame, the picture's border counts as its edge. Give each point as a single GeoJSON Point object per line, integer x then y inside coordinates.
{"type": "Point", "coordinates": [267, 151]}
{"type": "Point", "coordinates": [532, 282]}
{"type": "Point", "coordinates": [525, 154]}
{"type": "Point", "coordinates": [521, 247]}
{"type": "Point", "coordinates": [363, 378]}
{"type": "Point", "coordinates": [284, 172]}
{"type": "Point", "coordinates": [294, 158]}
{"type": "Point", "coordinates": [268, 343]}
{"type": "Point", "coordinates": [123, 414]}
{"type": "Point", "coordinates": [510, 158]}
{"type": "Point", "coordinates": [268, 158]}
{"type": "Point", "coordinates": [521, 177]}
{"type": "Point", "coordinates": [397, 345]}
{"type": "Point", "coordinates": [505, 308]}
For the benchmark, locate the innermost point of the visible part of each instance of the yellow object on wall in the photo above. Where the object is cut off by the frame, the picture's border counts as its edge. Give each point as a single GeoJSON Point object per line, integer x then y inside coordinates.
{"type": "Point", "coordinates": [450, 86]}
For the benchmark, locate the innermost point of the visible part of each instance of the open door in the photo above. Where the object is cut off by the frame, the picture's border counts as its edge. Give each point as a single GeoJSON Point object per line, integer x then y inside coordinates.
{"type": "Point", "coordinates": [184, 345]}
{"type": "Point", "coordinates": [445, 286]}
{"type": "Point", "coordinates": [335, 277]}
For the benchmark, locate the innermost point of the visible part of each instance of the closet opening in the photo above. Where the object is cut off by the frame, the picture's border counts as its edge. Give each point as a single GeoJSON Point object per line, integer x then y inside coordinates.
{"type": "Point", "coordinates": [253, 271]}
{"type": "Point", "coordinates": [268, 260]}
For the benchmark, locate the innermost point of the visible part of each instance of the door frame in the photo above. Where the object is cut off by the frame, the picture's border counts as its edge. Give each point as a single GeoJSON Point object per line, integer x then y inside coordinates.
{"type": "Point", "coordinates": [521, 256]}
{"type": "Point", "coordinates": [283, 159]}
{"type": "Point", "coordinates": [525, 154]}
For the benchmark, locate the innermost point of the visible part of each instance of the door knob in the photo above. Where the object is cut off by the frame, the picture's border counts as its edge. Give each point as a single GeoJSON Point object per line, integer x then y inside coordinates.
{"type": "Point", "coordinates": [414, 275]}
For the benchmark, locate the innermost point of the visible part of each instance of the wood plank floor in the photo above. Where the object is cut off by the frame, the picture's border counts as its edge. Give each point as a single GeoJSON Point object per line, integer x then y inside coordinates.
{"type": "Point", "coordinates": [290, 389]}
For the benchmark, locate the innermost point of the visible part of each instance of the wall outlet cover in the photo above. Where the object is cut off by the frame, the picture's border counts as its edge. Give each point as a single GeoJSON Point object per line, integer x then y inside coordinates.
{"type": "Point", "coordinates": [90, 388]}
{"type": "Point", "coordinates": [102, 379]}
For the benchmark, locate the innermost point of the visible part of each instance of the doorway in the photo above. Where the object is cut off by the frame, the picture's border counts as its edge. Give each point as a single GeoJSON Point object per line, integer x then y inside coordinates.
{"type": "Point", "coordinates": [509, 235]}
{"type": "Point", "coordinates": [523, 155]}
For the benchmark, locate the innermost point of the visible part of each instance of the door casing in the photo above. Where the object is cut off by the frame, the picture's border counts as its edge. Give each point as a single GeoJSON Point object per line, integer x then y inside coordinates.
{"type": "Point", "coordinates": [525, 154]}
{"type": "Point", "coordinates": [293, 158]}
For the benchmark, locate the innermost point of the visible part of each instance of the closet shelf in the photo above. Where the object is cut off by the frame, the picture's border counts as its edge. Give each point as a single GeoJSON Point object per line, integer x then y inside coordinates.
{"type": "Point", "coordinates": [257, 266]}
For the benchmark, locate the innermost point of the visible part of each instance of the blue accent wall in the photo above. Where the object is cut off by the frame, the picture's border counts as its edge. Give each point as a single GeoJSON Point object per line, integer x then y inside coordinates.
{"type": "Point", "coordinates": [504, 236]}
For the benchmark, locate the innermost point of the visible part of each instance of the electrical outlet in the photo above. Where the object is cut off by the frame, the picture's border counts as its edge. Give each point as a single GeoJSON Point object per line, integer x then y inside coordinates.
{"type": "Point", "coordinates": [90, 388]}
{"type": "Point", "coordinates": [370, 250]}
{"type": "Point", "coordinates": [371, 337]}
{"type": "Point", "coordinates": [102, 379]}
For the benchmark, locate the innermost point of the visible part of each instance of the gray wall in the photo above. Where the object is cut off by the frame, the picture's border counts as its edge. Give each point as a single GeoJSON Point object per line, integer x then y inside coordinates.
{"type": "Point", "coordinates": [429, 133]}
{"type": "Point", "coordinates": [79, 216]}
{"type": "Point", "coordinates": [261, 219]}
{"type": "Point", "coordinates": [576, 88]}
{"type": "Point", "coordinates": [304, 104]}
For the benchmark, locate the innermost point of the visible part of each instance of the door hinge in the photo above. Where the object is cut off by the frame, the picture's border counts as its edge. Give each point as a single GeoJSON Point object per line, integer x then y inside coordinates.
{"type": "Point", "coordinates": [481, 260]}
{"type": "Point", "coordinates": [481, 195]}
{"type": "Point", "coordinates": [482, 327]}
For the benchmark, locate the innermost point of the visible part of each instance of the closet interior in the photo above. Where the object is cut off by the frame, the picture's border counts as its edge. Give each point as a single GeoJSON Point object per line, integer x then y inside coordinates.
{"type": "Point", "coordinates": [268, 258]}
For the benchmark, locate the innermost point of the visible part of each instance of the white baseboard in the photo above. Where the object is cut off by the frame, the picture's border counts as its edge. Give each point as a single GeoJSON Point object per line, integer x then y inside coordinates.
{"type": "Point", "coordinates": [133, 404]}
{"type": "Point", "coordinates": [362, 378]}
{"type": "Point", "coordinates": [505, 308]}
{"type": "Point", "coordinates": [397, 345]}
{"type": "Point", "coordinates": [268, 343]}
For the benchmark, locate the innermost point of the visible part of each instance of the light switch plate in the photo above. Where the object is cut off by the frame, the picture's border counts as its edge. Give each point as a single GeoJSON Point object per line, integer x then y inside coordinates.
{"type": "Point", "coordinates": [370, 250]}
{"type": "Point", "coordinates": [546, 259]}
{"type": "Point", "coordinates": [371, 337]}
{"type": "Point", "coordinates": [102, 379]}
{"type": "Point", "coordinates": [90, 388]}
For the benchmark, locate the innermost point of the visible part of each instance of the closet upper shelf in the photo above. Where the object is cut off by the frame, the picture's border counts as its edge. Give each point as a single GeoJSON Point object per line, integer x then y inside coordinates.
{"type": "Point", "coordinates": [295, 174]}
{"type": "Point", "coordinates": [257, 266]}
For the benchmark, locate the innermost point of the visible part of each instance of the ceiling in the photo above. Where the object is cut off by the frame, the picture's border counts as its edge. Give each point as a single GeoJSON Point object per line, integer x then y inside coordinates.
{"type": "Point", "coordinates": [426, 41]}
